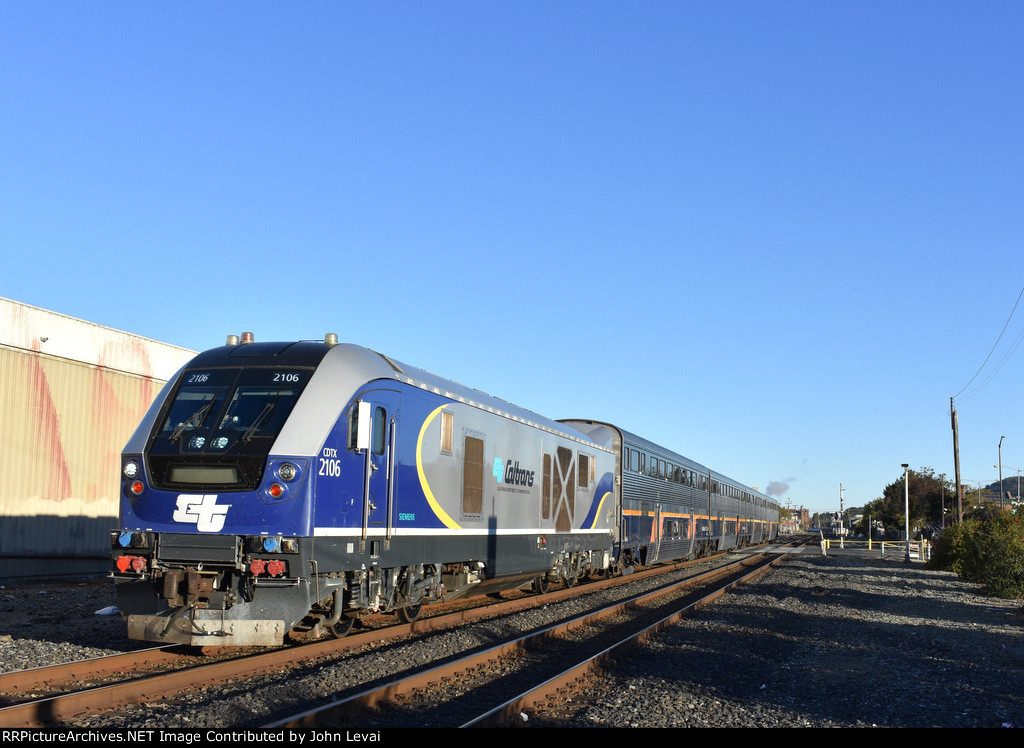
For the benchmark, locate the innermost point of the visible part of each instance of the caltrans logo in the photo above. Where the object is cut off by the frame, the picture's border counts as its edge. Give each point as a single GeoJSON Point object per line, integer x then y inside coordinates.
{"type": "Point", "coordinates": [508, 472]}
{"type": "Point", "coordinates": [203, 511]}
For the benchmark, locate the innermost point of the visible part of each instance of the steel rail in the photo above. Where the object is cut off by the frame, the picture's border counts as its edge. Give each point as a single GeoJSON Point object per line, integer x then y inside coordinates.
{"type": "Point", "coordinates": [54, 709]}
{"type": "Point", "coordinates": [35, 679]}
{"type": "Point", "coordinates": [356, 704]}
{"type": "Point", "coordinates": [50, 676]}
{"type": "Point", "coordinates": [547, 691]}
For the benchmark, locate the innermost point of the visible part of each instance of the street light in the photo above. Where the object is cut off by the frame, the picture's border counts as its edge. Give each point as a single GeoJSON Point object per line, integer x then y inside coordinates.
{"type": "Point", "coordinates": [906, 508]}
{"type": "Point", "coordinates": [1019, 471]}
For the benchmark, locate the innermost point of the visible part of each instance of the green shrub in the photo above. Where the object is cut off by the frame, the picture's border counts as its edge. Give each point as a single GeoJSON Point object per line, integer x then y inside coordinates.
{"type": "Point", "coordinates": [989, 551]}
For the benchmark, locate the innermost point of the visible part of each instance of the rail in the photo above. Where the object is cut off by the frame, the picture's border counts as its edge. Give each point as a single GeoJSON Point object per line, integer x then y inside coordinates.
{"type": "Point", "coordinates": [154, 684]}
{"type": "Point", "coordinates": [481, 663]}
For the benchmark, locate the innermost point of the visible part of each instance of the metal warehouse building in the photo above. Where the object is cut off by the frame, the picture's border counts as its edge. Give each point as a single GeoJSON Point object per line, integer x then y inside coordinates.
{"type": "Point", "coordinates": [71, 394]}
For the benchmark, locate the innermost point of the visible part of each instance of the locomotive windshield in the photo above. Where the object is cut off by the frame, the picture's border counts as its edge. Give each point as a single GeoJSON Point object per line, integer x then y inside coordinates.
{"type": "Point", "coordinates": [219, 427]}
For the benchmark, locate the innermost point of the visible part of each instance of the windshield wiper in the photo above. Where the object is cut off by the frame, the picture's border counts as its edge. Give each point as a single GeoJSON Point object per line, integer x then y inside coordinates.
{"type": "Point", "coordinates": [195, 421]}
{"type": "Point", "coordinates": [247, 436]}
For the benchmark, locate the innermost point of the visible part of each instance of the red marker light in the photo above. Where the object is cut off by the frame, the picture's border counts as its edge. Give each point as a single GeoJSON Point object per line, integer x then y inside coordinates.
{"type": "Point", "coordinates": [276, 490]}
{"type": "Point", "coordinates": [137, 487]}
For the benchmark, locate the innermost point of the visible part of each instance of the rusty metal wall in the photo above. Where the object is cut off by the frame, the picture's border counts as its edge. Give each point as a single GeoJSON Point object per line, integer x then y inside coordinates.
{"type": "Point", "coordinates": [71, 394]}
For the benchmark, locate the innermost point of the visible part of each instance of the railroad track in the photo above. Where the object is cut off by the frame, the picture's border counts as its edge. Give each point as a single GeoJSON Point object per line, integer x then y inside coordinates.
{"type": "Point", "coordinates": [163, 672]}
{"type": "Point", "coordinates": [485, 688]}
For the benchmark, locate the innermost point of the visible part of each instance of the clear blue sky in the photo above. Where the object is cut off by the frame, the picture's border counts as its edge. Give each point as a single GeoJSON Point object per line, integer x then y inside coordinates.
{"type": "Point", "coordinates": [774, 236]}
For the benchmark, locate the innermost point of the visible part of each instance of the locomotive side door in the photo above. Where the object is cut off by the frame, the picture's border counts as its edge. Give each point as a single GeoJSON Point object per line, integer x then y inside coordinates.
{"type": "Point", "coordinates": [377, 442]}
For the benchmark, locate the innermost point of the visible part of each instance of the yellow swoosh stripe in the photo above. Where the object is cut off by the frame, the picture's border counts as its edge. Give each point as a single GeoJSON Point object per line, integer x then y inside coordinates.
{"type": "Point", "coordinates": [597, 514]}
{"type": "Point", "coordinates": [431, 500]}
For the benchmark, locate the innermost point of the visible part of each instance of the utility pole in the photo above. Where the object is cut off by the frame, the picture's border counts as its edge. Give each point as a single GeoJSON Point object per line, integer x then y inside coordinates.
{"type": "Point", "coordinates": [1001, 472]}
{"type": "Point", "coordinates": [956, 463]}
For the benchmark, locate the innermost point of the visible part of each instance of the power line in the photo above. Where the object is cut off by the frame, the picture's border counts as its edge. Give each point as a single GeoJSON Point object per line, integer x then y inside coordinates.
{"type": "Point", "coordinates": [994, 346]}
{"type": "Point", "coordinates": [988, 379]}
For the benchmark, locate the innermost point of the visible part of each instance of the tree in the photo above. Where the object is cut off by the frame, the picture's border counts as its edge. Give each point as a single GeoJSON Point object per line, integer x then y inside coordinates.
{"type": "Point", "coordinates": [927, 491]}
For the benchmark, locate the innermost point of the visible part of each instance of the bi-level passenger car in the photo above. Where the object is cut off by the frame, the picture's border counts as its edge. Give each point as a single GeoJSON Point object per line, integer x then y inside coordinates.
{"type": "Point", "coordinates": [671, 507]}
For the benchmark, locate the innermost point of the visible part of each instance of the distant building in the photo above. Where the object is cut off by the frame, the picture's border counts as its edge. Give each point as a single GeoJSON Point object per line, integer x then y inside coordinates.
{"type": "Point", "coordinates": [799, 520]}
{"type": "Point", "coordinates": [71, 394]}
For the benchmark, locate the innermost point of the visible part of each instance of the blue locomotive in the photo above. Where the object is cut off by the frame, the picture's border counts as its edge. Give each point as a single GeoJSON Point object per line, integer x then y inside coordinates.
{"type": "Point", "coordinates": [279, 491]}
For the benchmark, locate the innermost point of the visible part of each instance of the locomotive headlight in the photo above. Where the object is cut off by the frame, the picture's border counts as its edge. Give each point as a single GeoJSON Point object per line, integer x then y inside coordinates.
{"type": "Point", "coordinates": [284, 479]}
{"type": "Point", "coordinates": [131, 469]}
{"type": "Point", "coordinates": [287, 472]}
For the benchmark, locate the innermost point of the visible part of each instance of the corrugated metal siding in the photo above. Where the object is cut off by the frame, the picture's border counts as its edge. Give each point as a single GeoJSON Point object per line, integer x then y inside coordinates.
{"type": "Point", "coordinates": [62, 428]}
{"type": "Point", "coordinates": [64, 420]}
{"type": "Point", "coordinates": [48, 333]}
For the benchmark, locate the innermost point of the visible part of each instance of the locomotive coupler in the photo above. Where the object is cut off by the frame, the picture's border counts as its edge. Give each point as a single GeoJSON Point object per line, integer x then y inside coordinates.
{"type": "Point", "coordinates": [191, 587]}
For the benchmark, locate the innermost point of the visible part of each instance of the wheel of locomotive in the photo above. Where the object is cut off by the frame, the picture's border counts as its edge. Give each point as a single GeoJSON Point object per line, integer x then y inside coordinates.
{"type": "Point", "coordinates": [570, 581]}
{"type": "Point", "coordinates": [341, 629]}
{"type": "Point", "coordinates": [540, 585]}
{"type": "Point", "coordinates": [409, 613]}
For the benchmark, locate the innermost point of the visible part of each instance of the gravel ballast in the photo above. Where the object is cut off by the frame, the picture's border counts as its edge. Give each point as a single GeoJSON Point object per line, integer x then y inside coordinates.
{"type": "Point", "coordinates": [837, 641]}
{"type": "Point", "coordinates": [821, 641]}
